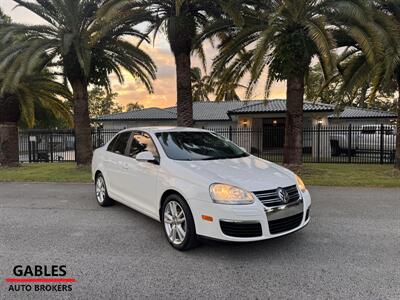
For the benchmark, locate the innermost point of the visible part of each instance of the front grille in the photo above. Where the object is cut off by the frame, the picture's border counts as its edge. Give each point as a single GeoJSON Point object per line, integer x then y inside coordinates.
{"type": "Point", "coordinates": [285, 224]}
{"type": "Point", "coordinates": [270, 198]}
{"type": "Point", "coordinates": [241, 229]}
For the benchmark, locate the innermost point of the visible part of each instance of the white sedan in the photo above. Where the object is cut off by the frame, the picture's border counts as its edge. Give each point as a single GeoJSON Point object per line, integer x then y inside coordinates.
{"type": "Point", "coordinates": [197, 183]}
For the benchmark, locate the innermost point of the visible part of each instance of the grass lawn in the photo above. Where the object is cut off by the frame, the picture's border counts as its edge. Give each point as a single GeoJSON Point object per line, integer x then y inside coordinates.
{"type": "Point", "coordinates": [313, 174]}
{"type": "Point", "coordinates": [46, 172]}
{"type": "Point", "coordinates": [350, 175]}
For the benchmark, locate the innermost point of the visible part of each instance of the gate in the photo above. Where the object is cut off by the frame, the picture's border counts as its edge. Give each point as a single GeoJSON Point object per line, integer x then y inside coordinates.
{"type": "Point", "coordinates": [46, 146]}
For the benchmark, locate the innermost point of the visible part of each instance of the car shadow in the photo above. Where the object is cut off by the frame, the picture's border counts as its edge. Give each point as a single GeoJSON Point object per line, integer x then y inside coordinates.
{"type": "Point", "coordinates": [280, 246]}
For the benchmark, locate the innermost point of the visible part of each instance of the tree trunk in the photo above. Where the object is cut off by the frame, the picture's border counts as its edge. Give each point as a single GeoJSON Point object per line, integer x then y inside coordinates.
{"type": "Point", "coordinates": [83, 135]}
{"type": "Point", "coordinates": [363, 96]}
{"type": "Point", "coordinates": [9, 117]}
{"type": "Point", "coordinates": [293, 149]}
{"type": "Point", "coordinates": [184, 90]}
{"type": "Point", "coordinates": [397, 156]}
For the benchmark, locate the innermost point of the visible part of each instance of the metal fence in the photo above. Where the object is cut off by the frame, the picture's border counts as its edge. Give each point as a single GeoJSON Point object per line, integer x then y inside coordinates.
{"type": "Point", "coordinates": [374, 144]}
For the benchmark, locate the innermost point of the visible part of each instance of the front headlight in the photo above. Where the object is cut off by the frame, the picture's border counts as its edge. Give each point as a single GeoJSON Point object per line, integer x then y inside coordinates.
{"type": "Point", "coordinates": [229, 194]}
{"type": "Point", "coordinates": [300, 184]}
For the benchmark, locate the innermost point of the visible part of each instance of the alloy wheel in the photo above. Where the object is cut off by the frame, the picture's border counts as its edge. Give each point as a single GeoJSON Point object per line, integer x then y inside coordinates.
{"type": "Point", "coordinates": [100, 189]}
{"type": "Point", "coordinates": [175, 222]}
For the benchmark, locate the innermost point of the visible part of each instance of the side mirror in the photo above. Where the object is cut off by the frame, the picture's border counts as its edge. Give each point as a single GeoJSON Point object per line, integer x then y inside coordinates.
{"type": "Point", "coordinates": [145, 156]}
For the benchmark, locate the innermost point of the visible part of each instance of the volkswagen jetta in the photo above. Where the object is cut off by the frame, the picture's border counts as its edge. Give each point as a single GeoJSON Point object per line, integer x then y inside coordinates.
{"type": "Point", "coordinates": [198, 183]}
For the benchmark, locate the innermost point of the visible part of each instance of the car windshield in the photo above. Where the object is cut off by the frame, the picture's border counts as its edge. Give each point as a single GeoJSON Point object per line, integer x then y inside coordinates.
{"type": "Point", "coordinates": [198, 145]}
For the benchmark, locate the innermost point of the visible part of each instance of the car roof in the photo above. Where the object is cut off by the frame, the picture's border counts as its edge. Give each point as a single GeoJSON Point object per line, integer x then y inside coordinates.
{"type": "Point", "coordinates": [156, 129]}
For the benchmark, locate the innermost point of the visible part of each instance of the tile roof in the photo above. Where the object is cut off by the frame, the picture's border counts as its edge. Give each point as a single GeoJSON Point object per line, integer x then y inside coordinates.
{"type": "Point", "coordinates": [152, 113]}
{"type": "Point", "coordinates": [221, 111]}
{"type": "Point", "coordinates": [215, 111]}
{"type": "Point", "coordinates": [357, 113]}
{"type": "Point", "coordinates": [279, 105]}
{"type": "Point", "coordinates": [202, 111]}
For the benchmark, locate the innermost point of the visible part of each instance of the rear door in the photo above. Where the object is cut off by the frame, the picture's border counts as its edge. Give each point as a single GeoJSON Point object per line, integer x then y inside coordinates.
{"type": "Point", "coordinates": [140, 178]}
{"type": "Point", "coordinates": [114, 163]}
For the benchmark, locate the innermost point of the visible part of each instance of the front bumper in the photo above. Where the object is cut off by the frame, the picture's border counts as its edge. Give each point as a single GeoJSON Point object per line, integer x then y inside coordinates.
{"type": "Point", "coordinates": [270, 220]}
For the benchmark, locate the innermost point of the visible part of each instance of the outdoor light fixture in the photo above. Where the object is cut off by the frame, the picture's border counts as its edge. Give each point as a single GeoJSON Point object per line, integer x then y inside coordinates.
{"type": "Point", "coordinates": [245, 123]}
{"type": "Point", "coordinates": [274, 122]}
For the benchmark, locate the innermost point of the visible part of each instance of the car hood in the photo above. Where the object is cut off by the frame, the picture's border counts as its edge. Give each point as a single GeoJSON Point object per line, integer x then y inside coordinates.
{"type": "Point", "coordinates": [250, 173]}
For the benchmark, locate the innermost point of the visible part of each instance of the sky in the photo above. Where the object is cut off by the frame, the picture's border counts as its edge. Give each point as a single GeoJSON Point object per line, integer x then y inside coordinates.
{"type": "Point", "coordinates": [164, 86]}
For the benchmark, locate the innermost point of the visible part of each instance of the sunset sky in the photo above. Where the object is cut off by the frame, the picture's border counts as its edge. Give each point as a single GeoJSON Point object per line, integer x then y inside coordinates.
{"type": "Point", "coordinates": [132, 91]}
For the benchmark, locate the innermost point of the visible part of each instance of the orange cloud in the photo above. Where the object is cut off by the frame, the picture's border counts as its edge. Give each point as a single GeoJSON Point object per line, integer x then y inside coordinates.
{"type": "Point", "coordinates": [165, 85]}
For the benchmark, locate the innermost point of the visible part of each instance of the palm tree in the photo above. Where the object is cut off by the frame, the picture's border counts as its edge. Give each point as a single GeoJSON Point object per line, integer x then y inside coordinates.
{"type": "Point", "coordinates": [36, 90]}
{"type": "Point", "coordinates": [19, 102]}
{"type": "Point", "coordinates": [372, 54]}
{"type": "Point", "coordinates": [282, 36]}
{"type": "Point", "coordinates": [201, 85]}
{"type": "Point", "coordinates": [181, 21]}
{"type": "Point", "coordinates": [87, 49]}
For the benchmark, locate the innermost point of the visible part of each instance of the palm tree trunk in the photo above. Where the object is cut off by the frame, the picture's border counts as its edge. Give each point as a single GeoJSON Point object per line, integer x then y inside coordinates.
{"type": "Point", "coordinates": [9, 117]}
{"type": "Point", "coordinates": [83, 135]}
{"type": "Point", "coordinates": [363, 96]}
{"type": "Point", "coordinates": [397, 156]}
{"type": "Point", "coordinates": [293, 149]}
{"type": "Point", "coordinates": [184, 89]}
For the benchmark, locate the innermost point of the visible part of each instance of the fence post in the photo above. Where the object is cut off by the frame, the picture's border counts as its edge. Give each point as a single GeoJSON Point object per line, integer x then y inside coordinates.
{"type": "Point", "coordinates": [382, 144]}
{"type": "Point", "coordinates": [29, 147]}
{"type": "Point", "coordinates": [230, 133]}
{"type": "Point", "coordinates": [51, 147]}
{"type": "Point", "coordinates": [319, 143]}
{"type": "Point", "coordinates": [98, 138]}
{"type": "Point", "coordinates": [349, 152]}
{"type": "Point", "coordinates": [73, 131]}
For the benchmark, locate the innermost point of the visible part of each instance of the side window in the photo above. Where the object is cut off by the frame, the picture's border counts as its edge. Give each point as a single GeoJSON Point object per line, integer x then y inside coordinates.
{"type": "Point", "coordinates": [142, 142]}
{"type": "Point", "coordinates": [112, 143]}
{"type": "Point", "coordinates": [120, 142]}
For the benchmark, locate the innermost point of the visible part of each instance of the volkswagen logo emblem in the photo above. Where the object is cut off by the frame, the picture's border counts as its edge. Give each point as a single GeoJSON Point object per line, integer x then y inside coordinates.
{"type": "Point", "coordinates": [283, 195]}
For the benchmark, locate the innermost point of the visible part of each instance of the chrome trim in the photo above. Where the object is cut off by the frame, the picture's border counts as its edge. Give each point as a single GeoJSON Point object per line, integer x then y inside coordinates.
{"type": "Point", "coordinates": [269, 197]}
{"type": "Point", "coordinates": [241, 221]}
{"type": "Point", "coordinates": [284, 211]}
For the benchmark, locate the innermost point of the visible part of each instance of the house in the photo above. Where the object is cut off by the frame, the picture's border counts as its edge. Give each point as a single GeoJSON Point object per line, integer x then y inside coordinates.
{"type": "Point", "coordinates": [238, 114]}
{"type": "Point", "coordinates": [265, 118]}
{"type": "Point", "coordinates": [362, 116]}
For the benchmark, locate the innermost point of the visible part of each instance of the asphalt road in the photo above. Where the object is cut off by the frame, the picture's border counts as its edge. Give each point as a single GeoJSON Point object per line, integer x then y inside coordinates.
{"type": "Point", "coordinates": [350, 250]}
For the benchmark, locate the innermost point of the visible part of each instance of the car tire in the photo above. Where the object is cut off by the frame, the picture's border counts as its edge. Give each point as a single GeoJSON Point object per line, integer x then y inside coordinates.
{"type": "Point", "coordinates": [173, 225]}
{"type": "Point", "coordinates": [102, 197]}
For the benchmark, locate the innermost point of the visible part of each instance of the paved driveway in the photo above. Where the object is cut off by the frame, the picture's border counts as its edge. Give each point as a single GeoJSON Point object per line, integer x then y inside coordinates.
{"type": "Point", "coordinates": [350, 250]}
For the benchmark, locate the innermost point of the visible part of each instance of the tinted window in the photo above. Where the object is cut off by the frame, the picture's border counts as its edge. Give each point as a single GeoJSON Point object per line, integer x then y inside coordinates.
{"type": "Point", "coordinates": [142, 142]}
{"type": "Point", "coordinates": [111, 144]}
{"type": "Point", "coordinates": [198, 146]}
{"type": "Point", "coordinates": [120, 143]}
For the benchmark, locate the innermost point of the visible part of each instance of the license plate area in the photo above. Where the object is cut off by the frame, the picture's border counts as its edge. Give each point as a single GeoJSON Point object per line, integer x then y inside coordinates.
{"type": "Point", "coordinates": [284, 211]}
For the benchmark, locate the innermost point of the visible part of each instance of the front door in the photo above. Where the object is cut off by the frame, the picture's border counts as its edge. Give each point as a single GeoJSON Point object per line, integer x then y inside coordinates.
{"type": "Point", "coordinates": [140, 178]}
{"type": "Point", "coordinates": [274, 136]}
